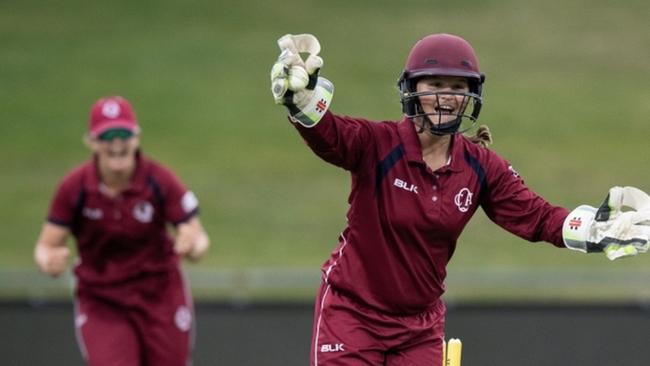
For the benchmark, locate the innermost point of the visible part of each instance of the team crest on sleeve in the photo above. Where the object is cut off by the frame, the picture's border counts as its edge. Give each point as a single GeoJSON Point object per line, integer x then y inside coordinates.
{"type": "Point", "coordinates": [513, 171]}
{"type": "Point", "coordinates": [189, 202]}
{"type": "Point", "coordinates": [143, 212]}
{"type": "Point", "coordinates": [463, 199]}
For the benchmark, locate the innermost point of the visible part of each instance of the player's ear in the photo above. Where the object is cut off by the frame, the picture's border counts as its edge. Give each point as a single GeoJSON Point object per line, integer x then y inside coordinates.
{"type": "Point", "coordinates": [89, 142]}
{"type": "Point", "coordinates": [136, 138]}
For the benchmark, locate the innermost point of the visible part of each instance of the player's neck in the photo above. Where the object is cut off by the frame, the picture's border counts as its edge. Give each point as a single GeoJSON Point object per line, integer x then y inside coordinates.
{"type": "Point", "coordinates": [114, 181]}
{"type": "Point", "coordinates": [435, 149]}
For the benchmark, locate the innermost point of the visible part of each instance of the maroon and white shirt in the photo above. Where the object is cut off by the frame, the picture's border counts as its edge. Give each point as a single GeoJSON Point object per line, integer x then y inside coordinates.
{"type": "Point", "coordinates": [123, 237]}
{"type": "Point", "coordinates": [404, 219]}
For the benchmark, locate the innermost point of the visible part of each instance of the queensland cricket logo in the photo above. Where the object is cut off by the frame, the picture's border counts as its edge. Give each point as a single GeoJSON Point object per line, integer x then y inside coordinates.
{"type": "Point", "coordinates": [463, 199]}
{"type": "Point", "coordinates": [143, 212]}
{"type": "Point", "coordinates": [111, 109]}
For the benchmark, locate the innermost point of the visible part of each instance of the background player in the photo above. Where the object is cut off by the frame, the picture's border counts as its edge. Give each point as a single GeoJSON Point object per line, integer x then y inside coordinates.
{"type": "Point", "coordinates": [132, 302]}
{"type": "Point", "coordinates": [415, 185]}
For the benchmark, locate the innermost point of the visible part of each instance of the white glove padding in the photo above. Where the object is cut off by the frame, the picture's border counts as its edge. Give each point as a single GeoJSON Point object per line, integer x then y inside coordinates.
{"type": "Point", "coordinates": [609, 229]}
{"type": "Point", "coordinates": [295, 83]}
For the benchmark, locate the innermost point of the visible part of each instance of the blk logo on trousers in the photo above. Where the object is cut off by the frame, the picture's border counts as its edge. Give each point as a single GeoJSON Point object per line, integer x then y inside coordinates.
{"type": "Point", "coordinates": [336, 347]}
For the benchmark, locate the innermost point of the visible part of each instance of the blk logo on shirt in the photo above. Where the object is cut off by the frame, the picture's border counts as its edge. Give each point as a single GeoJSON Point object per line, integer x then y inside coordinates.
{"type": "Point", "coordinates": [93, 213]}
{"type": "Point", "coordinates": [405, 186]}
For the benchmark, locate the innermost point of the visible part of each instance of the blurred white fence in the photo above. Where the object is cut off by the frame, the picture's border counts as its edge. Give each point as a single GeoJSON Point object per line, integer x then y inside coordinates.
{"type": "Point", "coordinates": [484, 285]}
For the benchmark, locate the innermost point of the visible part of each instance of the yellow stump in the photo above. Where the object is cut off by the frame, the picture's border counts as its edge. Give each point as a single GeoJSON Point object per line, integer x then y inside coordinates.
{"type": "Point", "coordinates": [444, 353]}
{"type": "Point", "coordinates": [452, 353]}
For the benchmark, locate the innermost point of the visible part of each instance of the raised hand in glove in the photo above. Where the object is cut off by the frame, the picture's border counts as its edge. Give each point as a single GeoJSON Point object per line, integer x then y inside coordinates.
{"type": "Point", "coordinates": [295, 82]}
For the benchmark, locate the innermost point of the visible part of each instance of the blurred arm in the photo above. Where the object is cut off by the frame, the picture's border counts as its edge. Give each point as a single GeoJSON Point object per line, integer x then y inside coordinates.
{"type": "Point", "coordinates": [51, 253]}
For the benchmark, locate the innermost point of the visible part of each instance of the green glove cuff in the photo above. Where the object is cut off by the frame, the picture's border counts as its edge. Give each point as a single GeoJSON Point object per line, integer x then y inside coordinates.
{"type": "Point", "coordinates": [614, 251]}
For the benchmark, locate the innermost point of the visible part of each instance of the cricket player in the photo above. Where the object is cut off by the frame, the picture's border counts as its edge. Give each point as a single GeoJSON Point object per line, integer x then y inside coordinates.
{"type": "Point", "coordinates": [132, 301]}
{"type": "Point", "coordinates": [415, 185]}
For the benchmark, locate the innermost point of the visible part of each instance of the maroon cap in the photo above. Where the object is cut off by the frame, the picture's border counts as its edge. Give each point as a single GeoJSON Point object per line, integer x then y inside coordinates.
{"type": "Point", "coordinates": [112, 112]}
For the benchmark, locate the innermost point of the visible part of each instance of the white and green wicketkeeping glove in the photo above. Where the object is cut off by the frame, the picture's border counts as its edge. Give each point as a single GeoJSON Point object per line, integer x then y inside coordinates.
{"type": "Point", "coordinates": [295, 82]}
{"type": "Point", "coordinates": [609, 229]}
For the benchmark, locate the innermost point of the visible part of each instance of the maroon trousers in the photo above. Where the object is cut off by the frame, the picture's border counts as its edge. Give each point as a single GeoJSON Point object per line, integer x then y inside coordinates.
{"type": "Point", "coordinates": [145, 322]}
{"type": "Point", "coordinates": [347, 333]}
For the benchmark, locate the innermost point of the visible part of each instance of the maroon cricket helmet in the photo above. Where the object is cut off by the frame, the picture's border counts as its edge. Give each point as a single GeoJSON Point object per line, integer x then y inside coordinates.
{"type": "Point", "coordinates": [441, 55]}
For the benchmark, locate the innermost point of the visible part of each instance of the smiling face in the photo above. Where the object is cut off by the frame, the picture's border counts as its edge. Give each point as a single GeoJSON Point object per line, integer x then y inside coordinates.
{"type": "Point", "coordinates": [442, 99]}
{"type": "Point", "coordinates": [116, 150]}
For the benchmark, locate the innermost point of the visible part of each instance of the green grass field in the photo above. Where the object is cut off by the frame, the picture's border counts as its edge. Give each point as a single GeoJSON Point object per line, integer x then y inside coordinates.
{"type": "Point", "coordinates": [567, 99]}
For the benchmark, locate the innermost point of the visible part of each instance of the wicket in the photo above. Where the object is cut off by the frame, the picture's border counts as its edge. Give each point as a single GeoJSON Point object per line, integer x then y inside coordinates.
{"type": "Point", "coordinates": [451, 352]}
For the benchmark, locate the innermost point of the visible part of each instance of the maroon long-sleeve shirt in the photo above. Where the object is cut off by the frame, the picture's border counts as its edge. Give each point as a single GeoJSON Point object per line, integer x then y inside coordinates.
{"type": "Point", "coordinates": [404, 219]}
